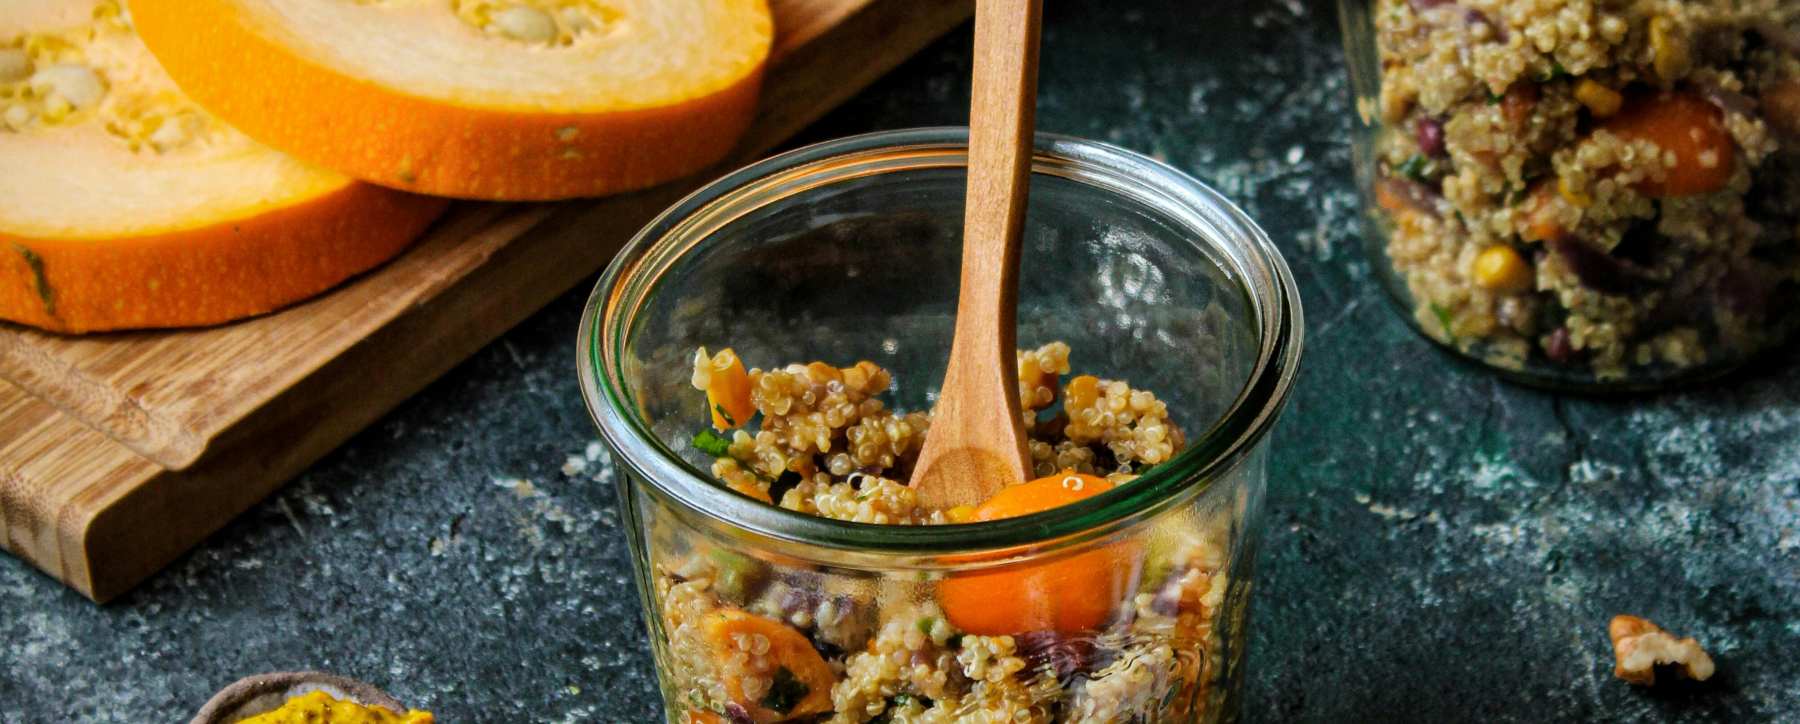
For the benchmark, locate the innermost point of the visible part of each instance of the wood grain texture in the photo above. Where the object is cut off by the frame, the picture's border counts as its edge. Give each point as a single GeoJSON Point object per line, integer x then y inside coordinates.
{"type": "Point", "coordinates": [977, 442]}
{"type": "Point", "coordinates": [120, 451]}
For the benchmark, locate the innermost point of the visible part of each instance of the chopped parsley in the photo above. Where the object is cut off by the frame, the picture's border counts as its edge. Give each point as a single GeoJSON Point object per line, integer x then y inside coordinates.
{"type": "Point", "coordinates": [1443, 317]}
{"type": "Point", "coordinates": [925, 624]}
{"type": "Point", "coordinates": [1417, 168]}
{"type": "Point", "coordinates": [902, 701]}
{"type": "Point", "coordinates": [785, 692]}
{"type": "Point", "coordinates": [712, 443]}
{"type": "Point", "coordinates": [726, 416]}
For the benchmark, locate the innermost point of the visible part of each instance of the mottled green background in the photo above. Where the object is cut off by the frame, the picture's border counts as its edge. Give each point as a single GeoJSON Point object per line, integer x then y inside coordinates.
{"type": "Point", "coordinates": [1441, 546]}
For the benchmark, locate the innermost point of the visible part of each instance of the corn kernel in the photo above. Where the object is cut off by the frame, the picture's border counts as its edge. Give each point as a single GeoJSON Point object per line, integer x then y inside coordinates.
{"type": "Point", "coordinates": [1600, 100]}
{"type": "Point", "coordinates": [1501, 269]}
{"type": "Point", "coordinates": [960, 514]}
{"type": "Point", "coordinates": [1575, 196]}
{"type": "Point", "coordinates": [1672, 57]}
{"type": "Point", "coordinates": [1083, 391]}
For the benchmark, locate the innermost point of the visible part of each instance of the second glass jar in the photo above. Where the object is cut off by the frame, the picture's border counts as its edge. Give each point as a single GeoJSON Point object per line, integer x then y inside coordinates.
{"type": "Point", "coordinates": [1589, 195]}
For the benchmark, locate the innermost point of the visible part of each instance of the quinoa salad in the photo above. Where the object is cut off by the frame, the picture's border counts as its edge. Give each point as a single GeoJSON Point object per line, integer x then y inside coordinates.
{"type": "Point", "coordinates": [1600, 185]}
{"type": "Point", "coordinates": [1129, 630]}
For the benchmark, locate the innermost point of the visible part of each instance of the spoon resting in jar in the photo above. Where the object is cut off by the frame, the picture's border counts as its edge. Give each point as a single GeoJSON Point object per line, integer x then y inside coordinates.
{"type": "Point", "coordinates": [976, 444]}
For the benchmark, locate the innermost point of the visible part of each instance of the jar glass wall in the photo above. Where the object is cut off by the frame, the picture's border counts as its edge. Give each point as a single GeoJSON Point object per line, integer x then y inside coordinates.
{"type": "Point", "coordinates": [847, 251]}
{"type": "Point", "coordinates": [1600, 195]}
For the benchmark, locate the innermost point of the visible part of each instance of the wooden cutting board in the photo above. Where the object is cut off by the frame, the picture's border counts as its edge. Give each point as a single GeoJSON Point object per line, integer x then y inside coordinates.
{"type": "Point", "coordinates": [118, 452]}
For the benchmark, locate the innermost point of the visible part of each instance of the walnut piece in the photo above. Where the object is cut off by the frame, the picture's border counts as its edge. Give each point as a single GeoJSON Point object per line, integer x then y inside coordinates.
{"type": "Point", "coordinates": [1640, 646]}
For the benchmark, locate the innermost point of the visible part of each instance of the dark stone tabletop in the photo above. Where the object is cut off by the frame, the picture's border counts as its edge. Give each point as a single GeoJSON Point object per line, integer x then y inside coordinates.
{"type": "Point", "coordinates": [1441, 545]}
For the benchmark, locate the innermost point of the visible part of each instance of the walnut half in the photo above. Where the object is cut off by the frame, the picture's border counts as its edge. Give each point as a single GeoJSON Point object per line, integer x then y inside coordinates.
{"type": "Point", "coordinates": [1639, 646]}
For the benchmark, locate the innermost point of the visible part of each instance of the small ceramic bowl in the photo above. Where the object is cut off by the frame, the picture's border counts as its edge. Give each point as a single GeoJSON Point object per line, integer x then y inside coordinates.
{"type": "Point", "coordinates": [263, 693]}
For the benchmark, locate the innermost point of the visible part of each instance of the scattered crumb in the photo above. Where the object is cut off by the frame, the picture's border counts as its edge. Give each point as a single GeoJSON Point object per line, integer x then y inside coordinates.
{"type": "Point", "coordinates": [574, 465]}
{"type": "Point", "coordinates": [1639, 647]}
{"type": "Point", "coordinates": [1395, 513]}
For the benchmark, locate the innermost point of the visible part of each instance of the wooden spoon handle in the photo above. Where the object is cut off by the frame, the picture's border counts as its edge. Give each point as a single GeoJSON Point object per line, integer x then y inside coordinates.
{"type": "Point", "coordinates": [1002, 114]}
{"type": "Point", "coordinates": [968, 454]}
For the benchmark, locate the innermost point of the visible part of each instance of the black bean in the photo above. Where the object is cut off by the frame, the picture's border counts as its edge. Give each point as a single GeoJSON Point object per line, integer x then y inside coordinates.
{"type": "Point", "coordinates": [1598, 270]}
{"type": "Point", "coordinates": [1052, 651]}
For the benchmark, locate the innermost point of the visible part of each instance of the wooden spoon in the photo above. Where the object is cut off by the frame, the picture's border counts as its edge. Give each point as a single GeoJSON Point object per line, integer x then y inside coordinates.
{"type": "Point", "coordinates": [976, 444]}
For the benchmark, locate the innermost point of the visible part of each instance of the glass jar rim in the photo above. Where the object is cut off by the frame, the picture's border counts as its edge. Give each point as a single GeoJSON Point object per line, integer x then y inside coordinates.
{"type": "Point", "coordinates": [628, 282]}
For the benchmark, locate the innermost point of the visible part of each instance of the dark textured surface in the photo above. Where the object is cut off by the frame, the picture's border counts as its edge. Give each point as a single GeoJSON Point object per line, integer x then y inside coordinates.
{"type": "Point", "coordinates": [1441, 546]}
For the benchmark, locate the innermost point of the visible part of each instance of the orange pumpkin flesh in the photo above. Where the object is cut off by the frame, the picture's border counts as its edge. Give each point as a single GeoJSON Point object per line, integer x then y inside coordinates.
{"type": "Point", "coordinates": [418, 97]}
{"type": "Point", "coordinates": [136, 209]}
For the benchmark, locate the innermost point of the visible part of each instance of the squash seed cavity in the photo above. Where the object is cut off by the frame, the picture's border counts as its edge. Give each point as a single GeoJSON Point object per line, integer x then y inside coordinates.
{"type": "Point", "coordinates": [548, 23]}
{"type": "Point", "coordinates": [59, 79]}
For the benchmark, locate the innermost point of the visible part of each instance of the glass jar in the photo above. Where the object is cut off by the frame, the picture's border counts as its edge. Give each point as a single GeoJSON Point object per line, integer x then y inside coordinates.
{"type": "Point", "coordinates": [1593, 196]}
{"type": "Point", "coordinates": [848, 250]}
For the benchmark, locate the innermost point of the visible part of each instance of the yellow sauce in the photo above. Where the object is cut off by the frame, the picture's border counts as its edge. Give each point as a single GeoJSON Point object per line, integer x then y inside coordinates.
{"type": "Point", "coordinates": [319, 708]}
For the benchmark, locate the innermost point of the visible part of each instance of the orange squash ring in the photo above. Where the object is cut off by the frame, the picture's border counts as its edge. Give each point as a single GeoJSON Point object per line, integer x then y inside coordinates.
{"type": "Point", "coordinates": [303, 89]}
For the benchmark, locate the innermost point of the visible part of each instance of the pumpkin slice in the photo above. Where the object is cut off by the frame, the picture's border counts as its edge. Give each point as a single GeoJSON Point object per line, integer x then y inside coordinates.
{"type": "Point", "coordinates": [491, 99]}
{"type": "Point", "coordinates": [123, 205]}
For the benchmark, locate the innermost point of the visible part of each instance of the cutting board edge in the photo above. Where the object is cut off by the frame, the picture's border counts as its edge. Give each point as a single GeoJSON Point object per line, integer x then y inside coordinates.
{"type": "Point", "coordinates": [163, 437]}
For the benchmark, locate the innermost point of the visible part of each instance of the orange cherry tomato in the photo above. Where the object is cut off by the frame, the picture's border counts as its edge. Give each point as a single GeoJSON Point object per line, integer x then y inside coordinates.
{"type": "Point", "coordinates": [805, 688]}
{"type": "Point", "coordinates": [1686, 125]}
{"type": "Point", "coordinates": [1068, 595]}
